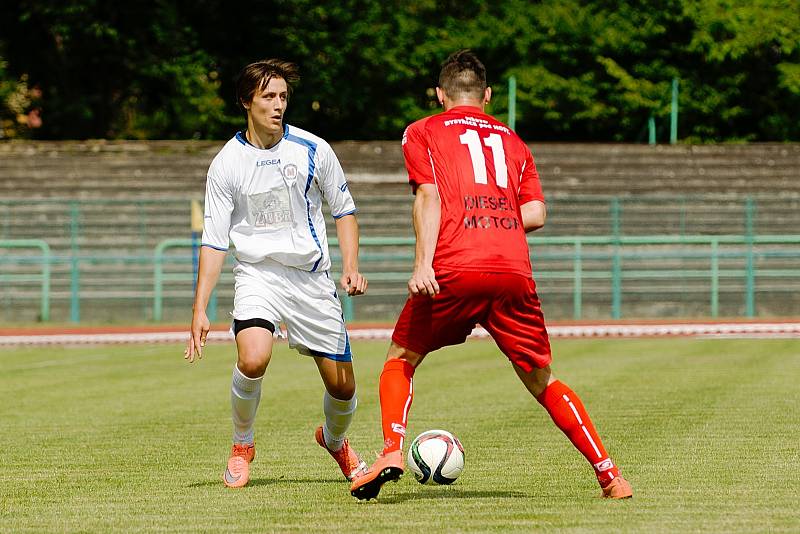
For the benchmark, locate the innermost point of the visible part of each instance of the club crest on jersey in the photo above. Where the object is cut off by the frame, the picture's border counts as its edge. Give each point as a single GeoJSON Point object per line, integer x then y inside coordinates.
{"type": "Point", "coordinates": [289, 171]}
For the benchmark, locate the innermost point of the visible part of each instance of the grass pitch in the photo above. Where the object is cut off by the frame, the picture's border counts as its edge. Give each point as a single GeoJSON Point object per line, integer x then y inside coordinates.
{"type": "Point", "coordinates": [132, 438]}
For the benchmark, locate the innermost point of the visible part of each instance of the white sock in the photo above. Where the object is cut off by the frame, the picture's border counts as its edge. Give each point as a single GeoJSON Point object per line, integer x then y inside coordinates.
{"type": "Point", "coordinates": [338, 415]}
{"type": "Point", "coordinates": [245, 395]}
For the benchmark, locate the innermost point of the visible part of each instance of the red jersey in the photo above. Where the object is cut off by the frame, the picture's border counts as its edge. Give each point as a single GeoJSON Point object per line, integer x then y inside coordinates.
{"type": "Point", "coordinates": [483, 173]}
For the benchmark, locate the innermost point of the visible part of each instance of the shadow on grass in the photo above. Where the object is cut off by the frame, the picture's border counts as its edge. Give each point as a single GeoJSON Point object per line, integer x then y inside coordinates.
{"type": "Point", "coordinates": [273, 481]}
{"type": "Point", "coordinates": [449, 493]}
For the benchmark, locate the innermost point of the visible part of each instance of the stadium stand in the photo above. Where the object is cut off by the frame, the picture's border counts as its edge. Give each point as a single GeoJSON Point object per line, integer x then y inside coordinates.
{"type": "Point", "coordinates": [700, 188]}
{"type": "Point", "coordinates": [152, 169]}
{"type": "Point", "coordinates": [112, 202]}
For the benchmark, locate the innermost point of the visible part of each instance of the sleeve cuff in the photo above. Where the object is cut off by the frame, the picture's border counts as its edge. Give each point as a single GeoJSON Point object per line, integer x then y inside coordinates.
{"type": "Point", "coordinates": [345, 214]}
{"type": "Point", "coordinates": [222, 249]}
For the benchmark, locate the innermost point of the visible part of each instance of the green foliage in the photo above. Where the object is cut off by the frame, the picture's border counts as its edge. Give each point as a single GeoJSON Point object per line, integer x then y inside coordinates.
{"type": "Point", "coordinates": [127, 70]}
{"type": "Point", "coordinates": [789, 77]}
{"type": "Point", "coordinates": [734, 29]}
{"type": "Point", "coordinates": [746, 54]}
{"type": "Point", "coordinates": [586, 69]}
{"type": "Point", "coordinates": [17, 118]}
{"type": "Point", "coordinates": [175, 100]}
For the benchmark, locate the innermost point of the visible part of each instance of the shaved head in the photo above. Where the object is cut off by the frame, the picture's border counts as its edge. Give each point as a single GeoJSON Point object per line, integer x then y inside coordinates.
{"type": "Point", "coordinates": [463, 76]}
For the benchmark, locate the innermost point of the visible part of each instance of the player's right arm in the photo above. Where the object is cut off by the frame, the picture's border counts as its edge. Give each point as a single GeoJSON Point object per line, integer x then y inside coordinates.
{"type": "Point", "coordinates": [427, 210]}
{"type": "Point", "coordinates": [208, 270]}
{"type": "Point", "coordinates": [215, 241]}
{"type": "Point", "coordinates": [427, 213]}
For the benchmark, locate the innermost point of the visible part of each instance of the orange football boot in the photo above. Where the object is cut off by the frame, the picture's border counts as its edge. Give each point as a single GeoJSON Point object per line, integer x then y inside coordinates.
{"type": "Point", "coordinates": [387, 467]}
{"type": "Point", "coordinates": [237, 474]}
{"type": "Point", "coordinates": [349, 461]}
{"type": "Point", "coordinates": [619, 488]}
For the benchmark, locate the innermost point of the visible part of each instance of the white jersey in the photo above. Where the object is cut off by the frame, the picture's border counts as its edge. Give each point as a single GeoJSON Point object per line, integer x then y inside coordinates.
{"type": "Point", "coordinates": [268, 202]}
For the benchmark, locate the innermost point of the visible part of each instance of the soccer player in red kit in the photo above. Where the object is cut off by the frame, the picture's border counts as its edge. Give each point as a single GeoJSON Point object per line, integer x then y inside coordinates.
{"type": "Point", "coordinates": [477, 193]}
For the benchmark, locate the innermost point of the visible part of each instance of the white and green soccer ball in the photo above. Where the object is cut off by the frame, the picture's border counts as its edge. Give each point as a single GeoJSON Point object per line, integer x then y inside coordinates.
{"type": "Point", "coordinates": [436, 457]}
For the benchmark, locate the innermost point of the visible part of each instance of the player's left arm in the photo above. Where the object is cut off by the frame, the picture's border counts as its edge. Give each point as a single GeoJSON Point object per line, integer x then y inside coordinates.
{"type": "Point", "coordinates": [534, 214]}
{"type": "Point", "coordinates": [352, 280]}
{"type": "Point", "coordinates": [336, 192]}
{"type": "Point", "coordinates": [531, 198]}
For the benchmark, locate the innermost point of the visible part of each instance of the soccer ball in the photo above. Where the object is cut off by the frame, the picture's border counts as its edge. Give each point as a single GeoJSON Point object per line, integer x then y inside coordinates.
{"type": "Point", "coordinates": [436, 457]}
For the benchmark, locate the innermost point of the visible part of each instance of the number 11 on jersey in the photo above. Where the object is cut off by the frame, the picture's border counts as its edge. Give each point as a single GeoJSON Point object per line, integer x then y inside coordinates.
{"type": "Point", "coordinates": [493, 141]}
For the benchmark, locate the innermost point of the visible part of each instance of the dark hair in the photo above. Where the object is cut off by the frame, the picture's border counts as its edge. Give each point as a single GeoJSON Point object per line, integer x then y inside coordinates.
{"type": "Point", "coordinates": [256, 76]}
{"type": "Point", "coordinates": [463, 75]}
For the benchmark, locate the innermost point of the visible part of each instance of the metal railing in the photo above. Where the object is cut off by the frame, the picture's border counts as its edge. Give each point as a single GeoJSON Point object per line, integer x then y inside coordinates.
{"type": "Point", "coordinates": [606, 271]}
{"type": "Point", "coordinates": [43, 277]}
{"type": "Point", "coordinates": [140, 224]}
{"type": "Point", "coordinates": [617, 251]}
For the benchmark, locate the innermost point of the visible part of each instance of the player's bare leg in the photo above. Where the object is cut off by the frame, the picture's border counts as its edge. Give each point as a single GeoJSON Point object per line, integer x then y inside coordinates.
{"type": "Point", "coordinates": [569, 414]}
{"type": "Point", "coordinates": [339, 404]}
{"type": "Point", "coordinates": [254, 348]}
{"type": "Point", "coordinates": [396, 393]}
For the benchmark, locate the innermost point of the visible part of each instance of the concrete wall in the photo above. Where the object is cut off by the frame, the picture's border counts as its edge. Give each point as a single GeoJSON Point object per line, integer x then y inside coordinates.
{"type": "Point", "coordinates": [103, 169]}
{"type": "Point", "coordinates": [135, 194]}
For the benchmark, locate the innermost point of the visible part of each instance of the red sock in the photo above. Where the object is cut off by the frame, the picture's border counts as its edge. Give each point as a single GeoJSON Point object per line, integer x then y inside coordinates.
{"type": "Point", "coordinates": [568, 413]}
{"type": "Point", "coordinates": [397, 391]}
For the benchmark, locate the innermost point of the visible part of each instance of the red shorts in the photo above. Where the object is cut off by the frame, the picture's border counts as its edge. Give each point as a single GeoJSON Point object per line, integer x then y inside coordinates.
{"type": "Point", "coordinates": [505, 304]}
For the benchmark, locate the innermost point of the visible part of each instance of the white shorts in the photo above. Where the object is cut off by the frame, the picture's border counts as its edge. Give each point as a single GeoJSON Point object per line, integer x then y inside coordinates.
{"type": "Point", "coordinates": [305, 302]}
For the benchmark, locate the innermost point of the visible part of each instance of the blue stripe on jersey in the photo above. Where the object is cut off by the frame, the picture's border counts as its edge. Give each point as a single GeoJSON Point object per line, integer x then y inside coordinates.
{"type": "Point", "coordinates": [212, 246]}
{"type": "Point", "coordinates": [312, 150]}
{"type": "Point", "coordinates": [344, 214]}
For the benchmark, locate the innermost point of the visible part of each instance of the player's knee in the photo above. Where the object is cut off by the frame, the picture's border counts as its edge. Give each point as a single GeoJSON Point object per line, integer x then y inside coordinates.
{"type": "Point", "coordinates": [402, 353]}
{"type": "Point", "coordinates": [338, 377]}
{"type": "Point", "coordinates": [536, 380]}
{"type": "Point", "coordinates": [252, 366]}
{"type": "Point", "coordinates": [342, 391]}
{"type": "Point", "coordinates": [341, 384]}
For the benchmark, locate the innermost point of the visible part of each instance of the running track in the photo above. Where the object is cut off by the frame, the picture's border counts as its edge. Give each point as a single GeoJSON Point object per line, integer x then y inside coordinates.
{"type": "Point", "coordinates": [176, 334]}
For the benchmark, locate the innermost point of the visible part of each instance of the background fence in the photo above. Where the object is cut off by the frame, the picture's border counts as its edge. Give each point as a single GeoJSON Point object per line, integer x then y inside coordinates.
{"type": "Point", "coordinates": [137, 225]}
{"type": "Point", "coordinates": [598, 258]}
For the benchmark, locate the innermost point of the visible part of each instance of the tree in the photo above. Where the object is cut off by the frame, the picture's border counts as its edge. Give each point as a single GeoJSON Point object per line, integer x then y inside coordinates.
{"type": "Point", "coordinates": [587, 70]}
{"type": "Point", "coordinates": [115, 70]}
{"type": "Point", "coordinates": [19, 111]}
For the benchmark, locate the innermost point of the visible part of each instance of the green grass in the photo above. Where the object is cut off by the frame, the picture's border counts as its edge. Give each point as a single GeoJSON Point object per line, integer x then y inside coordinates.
{"type": "Point", "coordinates": [131, 438]}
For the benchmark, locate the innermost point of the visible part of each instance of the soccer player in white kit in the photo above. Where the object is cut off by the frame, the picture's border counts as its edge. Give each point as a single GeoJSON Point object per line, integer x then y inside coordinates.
{"type": "Point", "coordinates": [264, 194]}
